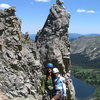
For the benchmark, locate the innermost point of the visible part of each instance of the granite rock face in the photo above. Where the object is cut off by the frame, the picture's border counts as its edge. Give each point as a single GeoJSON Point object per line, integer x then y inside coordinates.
{"type": "Point", "coordinates": [20, 66]}
{"type": "Point", "coordinates": [52, 39]}
{"type": "Point", "coordinates": [22, 61]}
{"type": "Point", "coordinates": [53, 43]}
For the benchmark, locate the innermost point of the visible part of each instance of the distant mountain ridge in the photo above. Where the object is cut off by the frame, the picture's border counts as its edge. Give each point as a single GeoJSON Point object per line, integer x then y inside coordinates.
{"type": "Point", "coordinates": [72, 36]}
{"type": "Point", "coordinates": [32, 36]}
{"type": "Point", "coordinates": [85, 50]}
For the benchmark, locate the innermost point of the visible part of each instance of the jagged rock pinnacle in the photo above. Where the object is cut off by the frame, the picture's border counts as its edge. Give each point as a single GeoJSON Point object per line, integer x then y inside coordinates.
{"type": "Point", "coordinates": [59, 2]}
{"type": "Point", "coordinates": [18, 58]}
{"type": "Point", "coordinates": [53, 43]}
{"type": "Point", "coordinates": [52, 40]}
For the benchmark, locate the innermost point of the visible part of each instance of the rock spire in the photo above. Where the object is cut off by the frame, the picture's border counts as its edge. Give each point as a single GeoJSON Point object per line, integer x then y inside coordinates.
{"type": "Point", "coordinates": [52, 39]}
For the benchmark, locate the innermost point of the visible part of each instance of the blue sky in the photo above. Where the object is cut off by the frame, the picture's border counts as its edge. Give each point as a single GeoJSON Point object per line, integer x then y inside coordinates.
{"type": "Point", "coordinates": [85, 14]}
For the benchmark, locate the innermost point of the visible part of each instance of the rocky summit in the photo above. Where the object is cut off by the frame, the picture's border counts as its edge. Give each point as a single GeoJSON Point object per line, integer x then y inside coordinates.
{"type": "Point", "coordinates": [22, 61]}
{"type": "Point", "coordinates": [20, 66]}
{"type": "Point", "coordinates": [52, 39]}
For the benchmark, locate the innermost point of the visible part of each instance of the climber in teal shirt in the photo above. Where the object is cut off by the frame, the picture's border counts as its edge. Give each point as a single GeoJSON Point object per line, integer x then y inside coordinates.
{"type": "Point", "coordinates": [60, 86]}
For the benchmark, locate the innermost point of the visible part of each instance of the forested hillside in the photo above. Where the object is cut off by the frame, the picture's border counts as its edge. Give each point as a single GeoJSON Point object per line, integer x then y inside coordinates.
{"type": "Point", "coordinates": [85, 60]}
{"type": "Point", "coordinates": [90, 76]}
{"type": "Point", "coordinates": [85, 50]}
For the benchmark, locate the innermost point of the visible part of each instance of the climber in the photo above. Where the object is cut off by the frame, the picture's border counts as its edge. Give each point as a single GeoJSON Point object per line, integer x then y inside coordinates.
{"type": "Point", "coordinates": [49, 85]}
{"type": "Point", "coordinates": [59, 86]}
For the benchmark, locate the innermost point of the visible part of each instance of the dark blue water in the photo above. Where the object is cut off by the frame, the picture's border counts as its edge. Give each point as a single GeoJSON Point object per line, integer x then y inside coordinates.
{"type": "Point", "coordinates": [83, 90]}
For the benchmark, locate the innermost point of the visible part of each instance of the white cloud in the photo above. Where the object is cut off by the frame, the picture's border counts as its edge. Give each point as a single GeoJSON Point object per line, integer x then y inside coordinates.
{"type": "Point", "coordinates": [4, 5]}
{"type": "Point", "coordinates": [81, 10]}
{"type": "Point", "coordinates": [85, 11]}
{"type": "Point", "coordinates": [90, 11]}
{"type": "Point", "coordinates": [42, 0]}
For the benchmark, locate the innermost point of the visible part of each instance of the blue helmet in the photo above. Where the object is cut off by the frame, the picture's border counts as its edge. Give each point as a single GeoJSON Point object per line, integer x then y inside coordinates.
{"type": "Point", "coordinates": [50, 65]}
